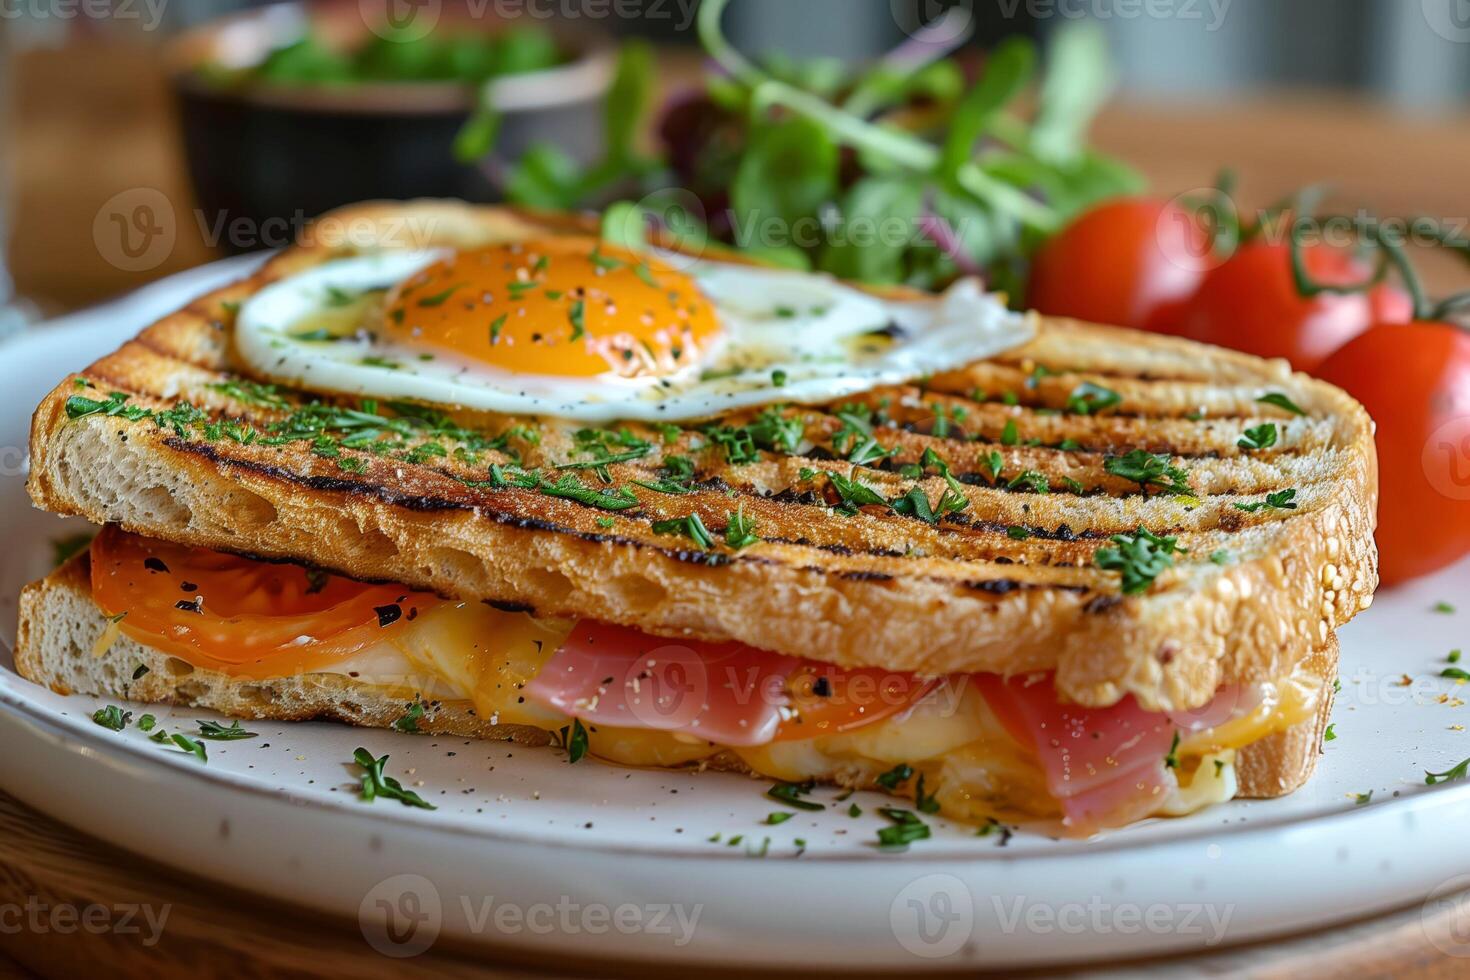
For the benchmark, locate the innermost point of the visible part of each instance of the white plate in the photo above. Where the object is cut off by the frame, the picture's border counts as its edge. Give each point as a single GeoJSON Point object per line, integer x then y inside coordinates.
{"type": "Point", "coordinates": [597, 861]}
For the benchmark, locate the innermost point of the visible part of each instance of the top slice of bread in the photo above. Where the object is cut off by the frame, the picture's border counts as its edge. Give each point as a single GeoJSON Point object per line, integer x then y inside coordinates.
{"type": "Point", "coordinates": [1255, 593]}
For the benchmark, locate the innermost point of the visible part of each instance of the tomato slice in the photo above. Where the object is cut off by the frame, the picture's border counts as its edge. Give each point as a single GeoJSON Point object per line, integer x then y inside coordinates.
{"type": "Point", "coordinates": [726, 693]}
{"type": "Point", "coordinates": [1105, 766]}
{"type": "Point", "coordinates": [241, 615]}
{"type": "Point", "coordinates": [826, 700]}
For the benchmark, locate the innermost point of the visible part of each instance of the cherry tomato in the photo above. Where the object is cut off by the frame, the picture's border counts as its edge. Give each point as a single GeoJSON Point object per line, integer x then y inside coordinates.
{"type": "Point", "coordinates": [240, 615]}
{"type": "Point", "coordinates": [1414, 379]}
{"type": "Point", "coordinates": [1131, 262]}
{"type": "Point", "coordinates": [1251, 303]}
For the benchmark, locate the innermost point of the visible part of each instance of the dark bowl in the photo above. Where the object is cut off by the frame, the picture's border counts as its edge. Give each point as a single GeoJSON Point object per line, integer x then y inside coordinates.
{"type": "Point", "coordinates": [265, 158]}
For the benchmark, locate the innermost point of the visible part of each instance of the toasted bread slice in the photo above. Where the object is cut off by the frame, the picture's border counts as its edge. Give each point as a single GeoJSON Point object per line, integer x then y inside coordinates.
{"type": "Point", "coordinates": [1007, 585]}
{"type": "Point", "coordinates": [68, 644]}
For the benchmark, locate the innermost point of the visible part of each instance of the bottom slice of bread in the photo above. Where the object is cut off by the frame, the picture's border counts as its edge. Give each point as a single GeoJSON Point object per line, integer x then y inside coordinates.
{"type": "Point", "coordinates": [66, 643]}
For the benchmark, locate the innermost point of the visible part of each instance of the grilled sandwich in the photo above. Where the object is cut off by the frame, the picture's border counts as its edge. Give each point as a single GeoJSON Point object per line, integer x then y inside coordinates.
{"type": "Point", "coordinates": [1095, 576]}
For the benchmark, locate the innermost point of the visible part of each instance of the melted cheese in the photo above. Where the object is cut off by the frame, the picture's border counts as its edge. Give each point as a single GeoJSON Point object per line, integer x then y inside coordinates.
{"type": "Point", "coordinates": [478, 654]}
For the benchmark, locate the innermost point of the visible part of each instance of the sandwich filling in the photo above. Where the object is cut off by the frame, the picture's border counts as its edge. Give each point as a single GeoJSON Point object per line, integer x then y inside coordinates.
{"type": "Point", "coordinates": [969, 746]}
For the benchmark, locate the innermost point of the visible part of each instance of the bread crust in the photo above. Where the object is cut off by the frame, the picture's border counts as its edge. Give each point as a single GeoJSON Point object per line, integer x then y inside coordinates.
{"type": "Point", "coordinates": [60, 625]}
{"type": "Point", "coordinates": [931, 600]}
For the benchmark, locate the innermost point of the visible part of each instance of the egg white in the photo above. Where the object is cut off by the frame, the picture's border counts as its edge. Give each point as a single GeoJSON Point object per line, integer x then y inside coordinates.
{"type": "Point", "coordinates": [786, 337]}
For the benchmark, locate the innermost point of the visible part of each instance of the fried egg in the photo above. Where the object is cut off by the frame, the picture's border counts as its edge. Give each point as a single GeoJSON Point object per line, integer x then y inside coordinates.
{"type": "Point", "coordinates": [582, 329]}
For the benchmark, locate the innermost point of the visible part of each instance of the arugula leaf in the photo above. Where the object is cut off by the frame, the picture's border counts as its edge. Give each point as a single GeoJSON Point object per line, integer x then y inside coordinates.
{"type": "Point", "coordinates": [788, 171]}
{"type": "Point", "coordinates": [1079, 80]}
{"type": "Point", "coordinates": [873, 203]}
{"type": "Point", "coordinates": [1007, 71]}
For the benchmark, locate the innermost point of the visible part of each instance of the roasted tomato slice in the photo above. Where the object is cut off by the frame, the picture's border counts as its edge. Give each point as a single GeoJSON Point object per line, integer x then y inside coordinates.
{"type": "Point", "coordinates": [826, 700]}
{"type": "Point", "coordinates": [241, 615]}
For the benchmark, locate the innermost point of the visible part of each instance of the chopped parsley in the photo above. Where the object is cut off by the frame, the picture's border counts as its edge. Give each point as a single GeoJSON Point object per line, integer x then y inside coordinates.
{"type": "Point", "coordinates": [147, 723]}
{"type": "Point", "coordinates": [891, 779]}
{"type": "Point", "coordinates": [1281, 500]}
{"type": "Point", "coordinates": [80, 406]}
{"type": "Point", "coordinates": [1281, 402]}
{"type": "Point", "coordinates": [577, 316]}
{"type": "Point", "coordinates": [112, 717]}
{"type": "Point", "coordinates": [1149, 469]}
{"type": "Point", "coordinates": [690, 527]}
{"type": "Point", "coordinates": [1449, 775]}
{"type": "Point", "coordinates": [1018, 533]}
{"type": "Point", "coordinates": [1330, 734]}
{"type": "Point", "coordinates": [409, 722]}
{"type": "Point", "coordinates": [1221, 557]}
{"type": "Point", "coordinates": [778, 817]}
{"type": "Point", "coordinates": [791, 794]}
{"type": "Point", "coordinates": [1090, 399]}
{"type": "Point", "coordinates": [375, 784]}
{"type": "Point", "coordinates": [497, 325]}
{"type": "Point", "coordinates": [1442, 607]}
{"type": "Point", "coordinates": [906, 828]}
{"type": "Point", "coordinates": [1260, 437]}
{"type": "Point", "coordinates": [219, 733]}
{"type": "Point", "coordinates": [740, 531]}
{"type": "Point", "coordinates": [190, 745]}
{"type": "Point", "coordinates": [1011, 434]}
{"type": "Point", "coordinates": [1139, 558]}
{"type": "Point", "coordinates": [575, 739]}
{"type": "Point", "coordinates": [1456, 673]}
{"type": "Point", "coordinates": [1171, 761]}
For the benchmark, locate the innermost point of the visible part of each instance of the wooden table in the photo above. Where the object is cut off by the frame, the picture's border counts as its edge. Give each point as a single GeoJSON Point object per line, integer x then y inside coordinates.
{"type": "Point", "coordinates": [95, 119]}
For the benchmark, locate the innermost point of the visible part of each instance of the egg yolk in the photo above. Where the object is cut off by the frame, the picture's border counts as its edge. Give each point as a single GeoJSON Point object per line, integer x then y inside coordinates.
{"type": "Point", "coordinates": [569, 307]}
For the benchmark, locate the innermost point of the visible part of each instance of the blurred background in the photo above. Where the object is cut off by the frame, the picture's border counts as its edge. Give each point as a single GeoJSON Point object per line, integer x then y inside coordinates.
{"type": "Point", "coordinates": [126, 152]}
